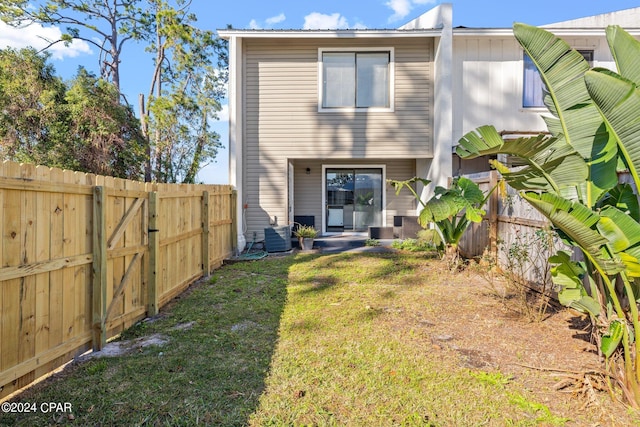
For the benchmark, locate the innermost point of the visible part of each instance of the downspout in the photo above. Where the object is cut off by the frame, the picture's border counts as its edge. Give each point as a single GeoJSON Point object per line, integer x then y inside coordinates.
{"type": "Point", "coordinates": [236, 170]}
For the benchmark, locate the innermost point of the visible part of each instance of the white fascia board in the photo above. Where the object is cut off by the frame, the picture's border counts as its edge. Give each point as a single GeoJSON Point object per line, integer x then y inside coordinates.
{"type": "Point", "coordinates": [562, 32]}
{"type": "Point", "coordinates": [328, 34]}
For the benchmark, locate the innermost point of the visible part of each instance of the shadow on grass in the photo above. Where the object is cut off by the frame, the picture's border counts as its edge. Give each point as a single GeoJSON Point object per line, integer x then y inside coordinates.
{"type": "Point", "coordinates": [354, 267]}
{"type": "Point", "coordinates": [220, 339]}
{"type": "Point", "coordinates": [220, 336]}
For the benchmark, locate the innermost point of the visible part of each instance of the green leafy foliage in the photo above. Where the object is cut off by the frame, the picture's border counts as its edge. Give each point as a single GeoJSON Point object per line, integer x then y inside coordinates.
{"type": "Point", "coordinates": [106, 26]}
{"type": "Point", "coordinates": [451, 210]}
{"type": "Point", "coordinates": [187, 83]}
{"type": "Point", "coordinates": [186, 88]}
{"type": "Point", "coordinates": [32, 114]}
{"type": "Point", "coordinates": [79, 125]}
{"type": "Point", "coordinates": [611, 340]}
{"type": "Point", "coordinates": [595, 127]}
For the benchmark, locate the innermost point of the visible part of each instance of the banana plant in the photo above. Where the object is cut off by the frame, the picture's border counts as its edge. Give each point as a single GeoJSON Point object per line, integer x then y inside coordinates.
{"type": "Point", "coordinates": [571, 178]}
{"type": "Point", "coordinates": [451, 210]}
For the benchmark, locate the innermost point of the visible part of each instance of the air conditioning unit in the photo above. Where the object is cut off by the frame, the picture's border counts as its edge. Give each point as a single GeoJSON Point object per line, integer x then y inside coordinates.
{"type": "Point", "coordinates": [277, 239]}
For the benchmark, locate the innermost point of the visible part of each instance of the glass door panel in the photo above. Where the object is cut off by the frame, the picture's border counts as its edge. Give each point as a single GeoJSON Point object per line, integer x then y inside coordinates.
{"type": "Point", "coordinates": [367, 199]}
{"type": "Point", "coordinates": [340, 184]}
{"type": "Point", "coordinates": [354, 199]}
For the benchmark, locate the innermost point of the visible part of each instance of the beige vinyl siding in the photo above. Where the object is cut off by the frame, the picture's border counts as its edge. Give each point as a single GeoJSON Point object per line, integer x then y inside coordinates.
{"type": "Point", "coordinates": [281, 118]}
{"type": "Point", "coordinates": [281, 99]}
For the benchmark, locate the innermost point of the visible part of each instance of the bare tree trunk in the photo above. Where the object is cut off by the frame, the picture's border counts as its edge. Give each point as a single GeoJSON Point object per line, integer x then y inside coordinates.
{"type": "Point", "coordinates": [144, 126]}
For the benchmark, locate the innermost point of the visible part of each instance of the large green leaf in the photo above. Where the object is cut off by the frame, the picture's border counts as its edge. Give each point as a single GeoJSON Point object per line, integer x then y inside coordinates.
{"type": "Point", "coordinates": [578, 121]}
{"type": "Point", "coordinates": [574, 219]}
{"type": "Point", "coordinates": [577, 222]}
{"type": "Point", "coordinates": [550, 164]}
{"type": "Point", "coordinates": [618, 100]}
{"type": "Point", "coordinates": [567, 275]}
{"type": "Point", "coordinates": [626, 52]}
{"type": "Point", "coordinates": [618, 228]}
{"type": "Point", "coordinates": [611, 340]}
{"type": "Point", "coordinates": [622, 197]}
{"type": "Point", "coordinates": [440, 208]}
{"type": "Point", "coordinates": [470, 190]}
{"type": "Point", "coordinates": [561, 69]}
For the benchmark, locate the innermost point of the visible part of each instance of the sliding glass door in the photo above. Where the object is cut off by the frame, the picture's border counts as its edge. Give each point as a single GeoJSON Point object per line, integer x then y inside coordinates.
{"type": "Point", "coordinates": [353, 199]}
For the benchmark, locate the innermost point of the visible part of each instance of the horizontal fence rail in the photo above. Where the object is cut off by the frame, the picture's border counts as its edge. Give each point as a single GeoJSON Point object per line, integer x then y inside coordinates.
{"type": "Point", "coordinates": [86, 256]}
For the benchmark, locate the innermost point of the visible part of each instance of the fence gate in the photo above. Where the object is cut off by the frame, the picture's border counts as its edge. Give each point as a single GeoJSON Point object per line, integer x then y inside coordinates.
{"type": "Point", "coordinates": [121, 248]}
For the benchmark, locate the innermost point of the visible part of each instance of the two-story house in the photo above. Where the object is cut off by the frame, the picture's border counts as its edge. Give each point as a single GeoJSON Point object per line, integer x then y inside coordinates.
{"type": "Point", "coordinates": [319, 119]}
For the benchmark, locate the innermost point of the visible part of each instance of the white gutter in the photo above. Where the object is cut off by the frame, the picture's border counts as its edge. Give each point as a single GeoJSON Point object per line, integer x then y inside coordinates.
{"type": "Point", "coordinates": [328, 34]}
{"type": "Point", "coordinates": [236, 174]}
{"type": "Point", "coordinates": [562, 32]}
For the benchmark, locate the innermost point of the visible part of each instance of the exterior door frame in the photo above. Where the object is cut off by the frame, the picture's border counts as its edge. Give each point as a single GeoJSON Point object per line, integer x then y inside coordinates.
{"type": "Point", "coordinates": [352, 166]}
{"type": "Point", "coordinates": [290, 191]}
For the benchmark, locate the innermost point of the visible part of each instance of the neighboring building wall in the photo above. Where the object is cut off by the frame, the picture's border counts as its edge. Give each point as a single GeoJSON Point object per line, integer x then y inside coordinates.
{"type": "Point", "coordinates": [488, 81]}
{"type": "Point", "coordinates": [487, 86]}
{"type": "Point", "coordinates": [282, 120]}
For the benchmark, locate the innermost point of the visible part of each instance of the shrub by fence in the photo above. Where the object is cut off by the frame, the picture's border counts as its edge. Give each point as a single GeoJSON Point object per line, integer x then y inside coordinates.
{"type": "Point", "coordinates": [85, 257]}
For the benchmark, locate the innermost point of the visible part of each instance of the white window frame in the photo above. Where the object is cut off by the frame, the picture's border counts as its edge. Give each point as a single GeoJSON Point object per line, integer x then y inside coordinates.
{"type": "Point", "coordinates": [390, 108]}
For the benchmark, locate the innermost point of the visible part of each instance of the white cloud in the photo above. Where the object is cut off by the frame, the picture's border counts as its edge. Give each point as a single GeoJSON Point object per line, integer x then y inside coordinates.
{"type": "Point", "coordinates": [275, 19]}
{"type": "Point", "coordinates": [39, 37]}
{"type": "Point", "coordinates": [402, 8]}
{"type": "Point", "coordinates": [320, 21]}
{"type": "Point", "coordinates": [268, 23]}
{"type": "Point", "coordinates": [223, 114]}
{"type": "Point", "coordinates": [253, 24]}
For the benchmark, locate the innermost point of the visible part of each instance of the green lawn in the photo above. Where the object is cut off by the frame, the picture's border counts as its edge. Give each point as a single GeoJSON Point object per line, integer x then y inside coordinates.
{"type": "Point", "coordinates": [297, 340]}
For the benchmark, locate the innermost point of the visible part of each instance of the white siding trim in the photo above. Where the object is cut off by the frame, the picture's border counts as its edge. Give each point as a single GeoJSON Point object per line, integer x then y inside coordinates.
{"type": "Point", "coordinates": [392, 79]}
{"type": "Point", "coordinates": [328, 34]}
{"type": "Point", "coordinates": [349, 166]}
{"type": "Point", "coordinates": [441, 166]}
{"type": "Point", "coordinates": [236, 106]}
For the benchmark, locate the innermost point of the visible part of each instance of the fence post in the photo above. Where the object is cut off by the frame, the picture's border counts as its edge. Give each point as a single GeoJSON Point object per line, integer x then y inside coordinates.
{"type": "Point", "coordinates": [234, 222]}
{"type": "Point", "coordinates": [493, 214]}
{"type": "Point", "coordinates": [99, 285]}
{"type": "Point", "coordinates": [206, 263]}
{"type": "Point", "coordinates": [154, 254]}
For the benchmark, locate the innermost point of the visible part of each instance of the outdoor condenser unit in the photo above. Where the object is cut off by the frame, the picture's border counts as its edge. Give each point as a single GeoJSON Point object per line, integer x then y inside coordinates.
{"type": "Point", "coordinates": [277, 239]}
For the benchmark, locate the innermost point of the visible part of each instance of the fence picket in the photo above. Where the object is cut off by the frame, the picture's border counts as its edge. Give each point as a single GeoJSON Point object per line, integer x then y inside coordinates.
{"type": "Point", "coordinates": [64, 287]}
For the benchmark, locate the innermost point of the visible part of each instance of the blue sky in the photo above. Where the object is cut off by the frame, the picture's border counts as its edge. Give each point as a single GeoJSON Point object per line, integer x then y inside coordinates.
{"type": "Point", "coordinates": [287, 14]}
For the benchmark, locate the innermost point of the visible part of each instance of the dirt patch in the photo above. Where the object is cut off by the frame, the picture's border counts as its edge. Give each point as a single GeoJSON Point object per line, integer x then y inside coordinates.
{"type": "Point", "coordinates": [121, 348]}
{"type": "Point", "coordinates": [555, 358]}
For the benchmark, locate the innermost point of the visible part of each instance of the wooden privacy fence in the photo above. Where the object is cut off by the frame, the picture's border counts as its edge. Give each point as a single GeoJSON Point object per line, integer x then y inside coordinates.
{"type": "Point", "coordinates": [85, 256]}
{"type": "Point", "coordinates": [509, 221]}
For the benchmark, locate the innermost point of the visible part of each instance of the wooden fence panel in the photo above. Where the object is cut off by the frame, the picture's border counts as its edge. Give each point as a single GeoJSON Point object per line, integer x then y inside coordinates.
{"type": "Point", "coordinates": [69, 281]}
{"type": "Point", "coordinates": [180, 214]}
{"type": "Point", "coordinates": [480, 236]}
{"type": "Point", "coordinates": [45, 276]}
{"type": "Point", "coordinates": [127, 252]}
{"type": "Point", "coordinates": [221, 242]}
{"type": "Point", "coordinates": [511, 225]}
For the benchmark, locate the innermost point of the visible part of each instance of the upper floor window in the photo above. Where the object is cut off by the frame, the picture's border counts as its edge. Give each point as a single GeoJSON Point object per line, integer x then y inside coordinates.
{"type": "Point", "coordinates": [356, 79]}
{"type": "Point", "coordinates": [533, 89]}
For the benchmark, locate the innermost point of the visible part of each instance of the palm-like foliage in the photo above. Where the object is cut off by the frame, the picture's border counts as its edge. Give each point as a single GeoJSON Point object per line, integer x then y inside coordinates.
{"type": "Point", "coordinates": [451, 210]}
{"type": "Point", "coordinates": [571, 178]}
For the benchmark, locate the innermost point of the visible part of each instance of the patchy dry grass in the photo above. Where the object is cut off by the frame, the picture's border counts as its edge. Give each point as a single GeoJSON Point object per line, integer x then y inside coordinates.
{"type": "Point", "coordinates": [358, 339]}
